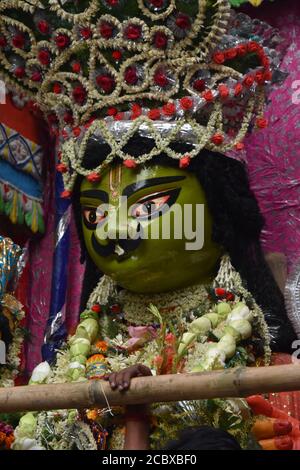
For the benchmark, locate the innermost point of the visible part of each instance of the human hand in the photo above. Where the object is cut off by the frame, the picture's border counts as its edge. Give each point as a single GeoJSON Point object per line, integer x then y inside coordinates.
{"type": "Point", "coordinates": [121, 380]}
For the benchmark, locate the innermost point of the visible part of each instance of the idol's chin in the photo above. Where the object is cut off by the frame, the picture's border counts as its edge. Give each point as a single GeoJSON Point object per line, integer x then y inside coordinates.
{"type": "Point", "coordinates": [154, 283]}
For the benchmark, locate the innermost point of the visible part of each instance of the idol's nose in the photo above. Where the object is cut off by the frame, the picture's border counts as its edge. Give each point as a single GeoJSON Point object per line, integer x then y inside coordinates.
{"type": "Point", "coordinates": [118, 228]}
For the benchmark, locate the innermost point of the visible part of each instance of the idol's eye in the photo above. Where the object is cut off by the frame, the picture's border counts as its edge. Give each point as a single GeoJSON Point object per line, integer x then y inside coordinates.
{"type": "Point", "coordinates": [154, 204]}
{"type": "Point", "coordinates": [93, 216]}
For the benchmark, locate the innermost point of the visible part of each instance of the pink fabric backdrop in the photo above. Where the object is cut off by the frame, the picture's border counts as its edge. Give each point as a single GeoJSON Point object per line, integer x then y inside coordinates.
{"type": "Point", "coordinates": [274, 154]}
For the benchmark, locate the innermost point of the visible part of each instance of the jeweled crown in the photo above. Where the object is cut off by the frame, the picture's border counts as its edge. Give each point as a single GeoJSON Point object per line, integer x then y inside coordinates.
{"type": "Point", "coordinates": [167, 69]}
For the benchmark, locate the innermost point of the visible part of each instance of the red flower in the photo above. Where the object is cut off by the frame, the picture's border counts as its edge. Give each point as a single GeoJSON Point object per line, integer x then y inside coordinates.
{"type": "Point", "coordinates": [133, 32]}
{"type": "Point", "coordinates": [217, 139]}
{"type": "Point", "coordinates": [169, 109]}
{"type": "Point", "coordinates": [160, 40]}
{"type": "Point", "coordinates": [253, 46]}
{"type": "Point", "coordinates": [68, 118]}
{"type": "Point", "coordinates": [224, 91]}
{"type": "Point", "coordinates": [160, 79]}
{"type": "Point", "coordinates": [62, 168]}
{"type": "Point", "coordinates": [66, 194]}
{"type": "Point", "coordinates": [268, 75]}
{"type": "Point", "coordinates": [262, 123]}
{"type": "Point", "coordinates": [57, 88]}
{"type": "Point", "coordinates": [157, 3]}
{"type": "Point", "coordinates": [230, 296]}
{"type": "Point", "coordinates": [186, 103]}
{"type": "Point", "coordinates": [62, 41]}
{"type": "Point", "coordinates": [248, 81]}
{"type": "Point", "coordinates": [240, 146]}
{"type": "Point", "coordinates": [183, 21]}
{"type": "Point", "coordinates": [18, 41]}
{"type": "Point", "coordinates": [184, 161]}
{"type": "Point", "coordinates": [136, 111]}
{"type": "Point", "coordinates": [112, 111]}
{"type": "Point", "coordinates": [241, 50]}
{"type": "Point", "coordinates": [36, 76]}
{"type": "Point", "coordinates": [266, 62]}
{"type": "Point", "coordinates": [220, 292]}
{"type": "Point", "coordinates": [208, 95]}
{"type": "Point", "coordinates": [44, 57]}
{"type": "Point", "coordinates": [3, 42]}
{"type": "Point", "coordinates": [117, 55]}
{"type": "Point", "coordinates": [106, 30]}
{"type": "Point", "coordinates": [96, 308]}
{"type": "Point", "coordinates": [86, 33]}
{"type": "Point", "coordinates": [93, 178]}
{"type": "Point", "coordinates": [170, 339]}
{"type": "Point", "coordinates": [238, 89]}
{"type": "Point", "coordinates": [76, 67]}
{"type": "Point", "coordinates": [65, 134]}
{"type": "Point", "coordinates": [43, 27]}
{"type": "Point", "coordinates": [130, 163]}
{"type": "Point", "coordinates": [119, 116]}
{"type": "Point", "coordinates": [230, 54]}
{"type": "Point", "coordinates": [259, 77]}
{"type": "Point", "coordinates": [154, 114]}
{"type": "Point", "coordinates": [131, 76]}
{"type": "Point", "coordinates": [105, 82]}
{"type": "Point", "coordinates": [89, 122]}
{"type": "Point", "coordinates": [79, 94]}
{"type": "Point", "coordinates": [113, 3]}
{"type": "Point", "coordinates": [199, 85]}
{"type": "Point", "coordinates": [219, 57]}
{"type": "Point", "coordinates": [19, 72]}
{"type": "Point", "coordinates": [76, 131]}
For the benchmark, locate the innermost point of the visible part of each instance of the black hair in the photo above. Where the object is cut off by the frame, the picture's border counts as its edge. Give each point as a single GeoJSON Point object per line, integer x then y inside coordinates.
{"type": "Point", "coordinates": [6, 334]}
{"type": "Point", "coordinates": [237, 225]}
{"type": "Point", "coordinates": [204, 438]}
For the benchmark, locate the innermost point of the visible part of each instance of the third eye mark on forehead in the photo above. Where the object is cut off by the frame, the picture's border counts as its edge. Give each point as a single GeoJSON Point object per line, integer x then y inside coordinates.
{"type": "Point", "coordinates": [132, 188]}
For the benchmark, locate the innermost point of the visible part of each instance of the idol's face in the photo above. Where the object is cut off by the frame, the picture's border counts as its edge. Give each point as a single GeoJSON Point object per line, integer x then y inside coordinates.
{"type": "Point", "coordinates": [149, 228]}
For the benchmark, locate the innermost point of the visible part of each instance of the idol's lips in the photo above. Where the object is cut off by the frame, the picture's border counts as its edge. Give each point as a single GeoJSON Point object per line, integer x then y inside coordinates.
{"type": "Point", "coordinates": [103, 250]}
{"type": "Point", "coordinates": [109, 249]}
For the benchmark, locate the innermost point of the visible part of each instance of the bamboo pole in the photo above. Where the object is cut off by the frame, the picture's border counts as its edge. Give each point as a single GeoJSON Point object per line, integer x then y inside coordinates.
{"type": "Point", "coordinates": [239, 382]}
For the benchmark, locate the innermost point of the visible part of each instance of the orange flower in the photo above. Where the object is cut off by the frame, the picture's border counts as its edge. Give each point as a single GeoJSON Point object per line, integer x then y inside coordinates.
{"type": "Point", "coordinates": [2, 437]}
{"type": "Point", "coordinates": [102, 345]}
{"type": "Point", "coordinates": [9, 440]}
{"type": "Point", "coordinates": [92, 415]}
{"type": "Point", "coordinates": [96, 358]}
